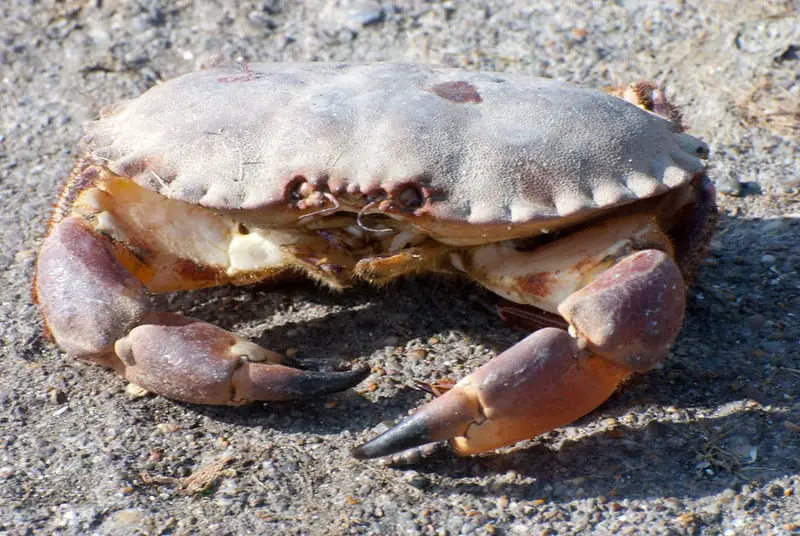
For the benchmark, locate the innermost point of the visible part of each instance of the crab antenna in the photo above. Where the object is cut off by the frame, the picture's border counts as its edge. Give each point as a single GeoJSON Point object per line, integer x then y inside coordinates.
{"type": "Point", "coordinates": [360, 220]}
{"type": "Point", "coordinates": [324, 211]}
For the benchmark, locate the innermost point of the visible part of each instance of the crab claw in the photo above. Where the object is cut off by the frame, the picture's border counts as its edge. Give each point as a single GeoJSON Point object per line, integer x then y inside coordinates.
{"type": "Point", "coordinates": [193, 361]}
{"type": "Point", "coordinates": [624, 321]}
{"type": "Point", "coordinates": [97, 311]}
{"type": "Point", "coordinates": [542, 382]}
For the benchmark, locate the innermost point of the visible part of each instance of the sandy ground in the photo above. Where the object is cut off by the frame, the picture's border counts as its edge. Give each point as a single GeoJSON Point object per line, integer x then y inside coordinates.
{"type": "Point", "coordinates": [710, 443]}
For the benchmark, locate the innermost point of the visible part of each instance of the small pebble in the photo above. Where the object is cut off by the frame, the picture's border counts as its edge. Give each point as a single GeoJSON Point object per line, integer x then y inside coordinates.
{"type": "Point", "coordinates": [629, 419]}
{"type": "Point", "coordinates": [419, 482]}
{"type": "Point", "coordinates": [756, 322]}
{"type": "Point", "coordinates": [382, 427]}
{"type": "Point", "coordinates": [417, 353]}
{"type": "Point", "coordinates": [167, 427]}
{"type": "Point", "coordinates": [610, 422]}
{"type": "Point", "coordinates": [791, 426]}
{"type": "Point", "coordinates": [135, 391]}
{"type": "Point", "coordinates": [228, 488]}
{"type": "Point", "coordinates": [728, 185]}
{"type": "Point", "coordinates": [654, 430]}
{"type": "Point", "coordinates": [365, 13]}
{"type": "Point", "coordinates": [129, 516]}
{"type": "Point", "coordinates": [775, 490]}
{"type": "Point", "coordinates": [260, 20]}
{"type": "Point", "coordinates": [57, 396]}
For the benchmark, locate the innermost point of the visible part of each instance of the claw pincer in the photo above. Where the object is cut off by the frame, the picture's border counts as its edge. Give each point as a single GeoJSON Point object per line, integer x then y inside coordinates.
{"type": "Point", "coordinates": [625, 321]}
{"type": "Point", "coordinates": [99, 312]}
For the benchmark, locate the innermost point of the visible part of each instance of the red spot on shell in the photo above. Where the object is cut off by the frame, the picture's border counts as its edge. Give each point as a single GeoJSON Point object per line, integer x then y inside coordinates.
{"type": "Point", "coordinates": [537, 284]}
{"type": "Point", "coordinates": [462, 92]}
{"type": "Point", "coordinates": [248, 75]}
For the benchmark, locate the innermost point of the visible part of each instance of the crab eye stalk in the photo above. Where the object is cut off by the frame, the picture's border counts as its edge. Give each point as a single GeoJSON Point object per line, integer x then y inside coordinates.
{"type": "Point", "coordinates": [410, 198]}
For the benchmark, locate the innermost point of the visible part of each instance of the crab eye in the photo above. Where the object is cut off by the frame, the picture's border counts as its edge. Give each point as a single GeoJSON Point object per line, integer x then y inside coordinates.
{"type": "Point", "coordinates": [410, 197]}
{"type": "Point", "coordinates": [300, 188]}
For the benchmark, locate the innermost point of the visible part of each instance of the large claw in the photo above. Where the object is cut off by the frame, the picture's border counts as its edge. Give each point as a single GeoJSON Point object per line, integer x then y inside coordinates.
{"type": "Point", "coordinates": [624, 321]}
{"type": "Point", "coordinates": [185, 359]}
{"type": "Point", "coordinates": [542, 382]}
{"type": "Point", "coordinates": [97, 311]}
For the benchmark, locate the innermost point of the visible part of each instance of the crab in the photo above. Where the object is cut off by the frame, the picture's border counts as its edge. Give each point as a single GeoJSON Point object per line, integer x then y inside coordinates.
{"type": "Point", "coordinates": [586, 212]}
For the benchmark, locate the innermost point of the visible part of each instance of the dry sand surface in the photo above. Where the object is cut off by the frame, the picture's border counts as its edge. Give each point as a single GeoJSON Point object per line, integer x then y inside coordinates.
{"type": "Point", "coordinates": [710, 443]}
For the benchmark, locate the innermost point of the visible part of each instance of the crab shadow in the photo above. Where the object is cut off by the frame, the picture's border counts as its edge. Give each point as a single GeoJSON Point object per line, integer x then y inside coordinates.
{"type": "Point", "coordinates": [663, 459]}
{"type": "Point", "coordinates": [739, 340]}
{"type": "Point", "coordinates": [383, 325]}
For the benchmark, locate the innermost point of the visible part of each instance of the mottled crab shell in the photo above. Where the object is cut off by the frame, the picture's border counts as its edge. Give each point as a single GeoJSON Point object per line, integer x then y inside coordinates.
{"type": "Point", "coordinates": [487, 149]}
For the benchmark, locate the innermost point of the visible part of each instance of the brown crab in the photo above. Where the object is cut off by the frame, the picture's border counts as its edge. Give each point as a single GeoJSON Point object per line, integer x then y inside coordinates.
{"type": "Point", "coordinates": [587, 210]}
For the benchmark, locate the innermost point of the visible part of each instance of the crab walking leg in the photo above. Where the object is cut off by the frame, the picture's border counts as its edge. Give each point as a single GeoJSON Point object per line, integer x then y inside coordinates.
{"type": "Point", "coordinates": [622, 321]}
{"type": "Point", "coordinates": [97, 311]}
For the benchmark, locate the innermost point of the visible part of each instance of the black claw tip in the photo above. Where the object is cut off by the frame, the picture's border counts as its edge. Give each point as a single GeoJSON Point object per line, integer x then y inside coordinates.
{"type": "Point", "coordinates": [410, 433]}
{"type": "Point", "coordinates": [315, 383]}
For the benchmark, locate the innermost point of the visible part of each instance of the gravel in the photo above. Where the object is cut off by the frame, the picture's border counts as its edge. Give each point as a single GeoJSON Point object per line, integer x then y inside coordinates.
{"type": "Point", "coordinates": [708, 443]}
